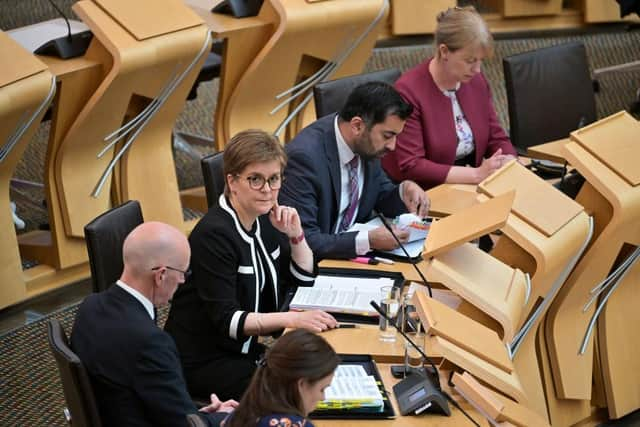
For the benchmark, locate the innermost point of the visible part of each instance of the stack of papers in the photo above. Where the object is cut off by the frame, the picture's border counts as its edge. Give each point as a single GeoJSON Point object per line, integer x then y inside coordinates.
{"type": "Point", "coordinates": [352, 388]}
{"type": "Point", "coordinates": [341, 294]}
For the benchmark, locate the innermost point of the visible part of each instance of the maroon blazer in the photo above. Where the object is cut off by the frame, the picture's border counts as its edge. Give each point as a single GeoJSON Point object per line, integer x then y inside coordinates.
{"type": "Point", "coordinates": [426, 148]}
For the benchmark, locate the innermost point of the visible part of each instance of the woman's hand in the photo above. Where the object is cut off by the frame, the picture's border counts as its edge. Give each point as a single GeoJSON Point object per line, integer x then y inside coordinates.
{"type": "Point", "coordinates": [217, 406]}
{"type": "Point", "coordinates": [286, 220]}
{"type": "Point", "coordinates": [314, 320]}
{"type": "Point", "coordinates": [489, 165]}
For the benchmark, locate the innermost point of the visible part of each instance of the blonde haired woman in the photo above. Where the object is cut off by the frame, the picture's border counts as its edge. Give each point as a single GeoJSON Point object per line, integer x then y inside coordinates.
{"type": "Point", "coordinates": [453, 134]}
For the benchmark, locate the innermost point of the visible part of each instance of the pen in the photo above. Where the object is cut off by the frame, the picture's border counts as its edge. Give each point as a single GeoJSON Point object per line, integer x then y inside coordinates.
{"type": "Point", "coordinates": [345, 325]}
{"type": "Point", "coordinates": [365, 260]}
{"type": "Point", "coordinates": [384, 260]}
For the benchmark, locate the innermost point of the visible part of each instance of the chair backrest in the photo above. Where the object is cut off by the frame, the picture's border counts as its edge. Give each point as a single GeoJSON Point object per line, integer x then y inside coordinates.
{"type": "Point", "coordinates": [78, 393]}
{"type": "Point", "coordinates": [330, 96]}
{"type": "Point", "coordinates": [213, 177]}
{"type": "Point", "coordinates": [549, 92]}
{"type": "Point", "coordinates": [104, 237]}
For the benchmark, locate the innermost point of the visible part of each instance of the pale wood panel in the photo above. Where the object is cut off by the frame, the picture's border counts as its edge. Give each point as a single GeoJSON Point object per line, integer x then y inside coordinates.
{"type": "Point", "coordinates": [615, 202]}
{"type": "Point", "coordinates": [516, 8]}
{"type": "Point", "coordinates": [468, 224]}
{"type": "Point", "coordinates": [604, 11]}
{"type": "Point", "coordinates": [618, 335]}
{"type": "Point", "coordinates": [149, 17]}
{"type": "Point", "coordinates": [550, 151]}
{"type": "Point", "coordinates": [447, 199]}
{"type": "Point", "coordinates": [545, 257]}
{"type": "Point", "coordinates": [614, 141]}
{"type": "Point", "coordinates": [527, 204]}
{"type": "Point", "coordinates": [497, 407]}
{"type": "Point", "coordinates": [141, 69]}
{"type": "Point", "coordinates": [465, 333]}
{"type": "Point", "coordinates": [307, 36]}
{"type": "Point", "coordinates": [484, 281]}
{"type": "Point", "coordinates": [416, 16]}
{"type": "Point", "coordinates": [17, 63]}
{"type": "Point", "coordinates": [25, 94]}
{"type": "Point", "coordinates": [489, 374]}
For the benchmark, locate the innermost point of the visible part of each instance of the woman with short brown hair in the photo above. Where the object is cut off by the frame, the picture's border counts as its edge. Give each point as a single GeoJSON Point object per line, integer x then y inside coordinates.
{"type": "Point", "coordinates": [247, 252]}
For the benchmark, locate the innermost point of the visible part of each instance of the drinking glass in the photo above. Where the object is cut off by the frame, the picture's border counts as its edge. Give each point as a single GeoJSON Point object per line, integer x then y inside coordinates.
{"type": "Point", "coordinates": [389, 302]}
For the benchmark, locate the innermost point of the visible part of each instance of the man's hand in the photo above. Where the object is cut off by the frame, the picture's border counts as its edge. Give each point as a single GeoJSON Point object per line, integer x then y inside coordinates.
{"type": "Point", "coordinates": [380, 238]}
{"type": "Point", "coordinates": [217, 406]}
{"type": "Point", "coordinates": [415, 199]}
{"type": "Point", "coordinates": [313, 320]}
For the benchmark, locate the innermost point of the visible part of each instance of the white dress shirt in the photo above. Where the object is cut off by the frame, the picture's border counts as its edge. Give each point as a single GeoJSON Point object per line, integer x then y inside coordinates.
{"type": "Point", "coordinates": [148, 305]}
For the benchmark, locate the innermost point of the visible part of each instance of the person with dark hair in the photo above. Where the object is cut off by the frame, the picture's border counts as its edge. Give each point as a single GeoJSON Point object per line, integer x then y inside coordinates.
{"type": "Point", "coordinates": [453, 134]}
{"type": "Point", "coordinates": [133, 365]}
{"type": "Point", "coordinates": [334, 178]}
{"type": "Point", "coordinates": [247, 252]}
{"type": "Point", "coordinates": [288, 384]}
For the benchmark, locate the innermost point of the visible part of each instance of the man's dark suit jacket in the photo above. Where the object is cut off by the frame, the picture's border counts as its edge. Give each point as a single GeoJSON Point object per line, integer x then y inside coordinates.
{"type": "Point", "coordinates": [133, 365]}
{"type": "Point", "coordinates": [312, 186]}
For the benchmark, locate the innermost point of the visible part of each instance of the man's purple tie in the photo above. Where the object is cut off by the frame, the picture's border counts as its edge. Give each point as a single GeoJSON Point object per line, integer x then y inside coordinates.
{"type": "Point", "coordinates": [353, 194]}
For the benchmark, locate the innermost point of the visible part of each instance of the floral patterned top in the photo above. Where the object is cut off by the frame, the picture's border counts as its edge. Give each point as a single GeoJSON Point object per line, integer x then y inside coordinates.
{"type": "Point", "coordinates": [279, 420]}
{"type": "Point", "coordinates": [463, 130]}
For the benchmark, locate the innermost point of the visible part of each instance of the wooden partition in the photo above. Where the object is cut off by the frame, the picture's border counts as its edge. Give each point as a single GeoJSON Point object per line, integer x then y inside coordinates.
{"type": "Point", "coordinates": [291, 45]}
{"type": "Point", "coordinates": [605, 153]}
{"type": "Point", "coordinates": [544, 236]}
{"type": "Point", "coordinates": [26, 90]}
{"type": "Point", "coordinates": [111, 128]}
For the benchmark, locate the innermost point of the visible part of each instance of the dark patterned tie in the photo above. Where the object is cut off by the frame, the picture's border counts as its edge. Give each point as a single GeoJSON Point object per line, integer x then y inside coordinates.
{"type": "Point", "coordinates": [353, 195]}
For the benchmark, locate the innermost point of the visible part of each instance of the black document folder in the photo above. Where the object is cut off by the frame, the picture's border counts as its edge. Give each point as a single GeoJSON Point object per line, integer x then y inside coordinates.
{"type": "Point", "coordinates": [370, 367]}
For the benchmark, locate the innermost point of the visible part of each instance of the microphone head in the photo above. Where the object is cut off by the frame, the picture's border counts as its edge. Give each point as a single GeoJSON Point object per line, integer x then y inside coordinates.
{"type": "Point", "coordinates": [377, 308]}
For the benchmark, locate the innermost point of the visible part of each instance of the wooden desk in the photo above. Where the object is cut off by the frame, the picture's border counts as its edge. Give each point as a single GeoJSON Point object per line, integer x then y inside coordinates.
{"type": "Point", "coordinates": [553, 151]}
{"type": "Point", "coordinates": [456, 418]}
{"type": "Point", "coordinates": [287, 43]}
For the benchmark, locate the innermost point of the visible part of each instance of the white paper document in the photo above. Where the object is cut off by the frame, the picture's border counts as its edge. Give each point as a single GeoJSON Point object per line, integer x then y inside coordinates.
{"type": "Point", "coordinates": [418, 231]}
{"type": "Point", "coordinates": [351, 384]}
{"type": "Point", "coordinates": [341, 294]}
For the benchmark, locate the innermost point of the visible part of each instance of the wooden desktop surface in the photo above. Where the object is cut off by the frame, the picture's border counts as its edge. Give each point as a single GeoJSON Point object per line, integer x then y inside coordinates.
{"type": "Point", "coordinates": [432, 420]}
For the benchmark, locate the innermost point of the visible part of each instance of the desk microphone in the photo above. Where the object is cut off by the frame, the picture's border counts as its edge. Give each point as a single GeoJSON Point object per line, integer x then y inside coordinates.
{"type": "Point", "coordinates": [411, 260]}
{"type": "Point", "coordinates": [417, 393]}
{"type": "Point", "coordinates": [69, 46]}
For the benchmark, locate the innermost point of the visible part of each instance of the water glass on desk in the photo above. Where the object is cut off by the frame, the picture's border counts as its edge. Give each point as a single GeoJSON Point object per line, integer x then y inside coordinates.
{"type": "Point", "coordinates": [412, 357]}
{"type": "Point", "coordinates": [389, 302]}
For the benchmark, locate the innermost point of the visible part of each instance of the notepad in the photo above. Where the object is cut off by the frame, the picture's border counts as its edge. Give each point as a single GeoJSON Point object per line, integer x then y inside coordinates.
{"type": "Point", "coordinates": [340, 294]}
{"type": "Point", "coordinates": [352, 388]}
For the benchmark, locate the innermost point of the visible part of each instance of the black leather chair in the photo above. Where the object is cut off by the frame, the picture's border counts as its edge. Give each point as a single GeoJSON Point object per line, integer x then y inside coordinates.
{"type": "Point", "coordinates": [81, 410]}
{"type": "Point", "coordinates": [213, 177]}
{"type": "Point", "coordinates": [105, 236]}
{"type": "Point", "coordinates": [210, 69]}
{"type": "Point", "coordinates": [330, 96]}
{"type": "Point", "coordinates": [549, 93]}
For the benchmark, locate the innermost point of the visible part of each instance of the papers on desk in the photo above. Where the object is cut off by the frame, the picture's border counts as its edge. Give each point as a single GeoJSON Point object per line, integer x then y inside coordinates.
{"type": "Point", "coordinates": [340, 294]}
{"type": "Point", "coordinates": [33, 36]}
{"type": "Point", "coordinates": [418, 231]}
{"type": "Point", "coordinates": [352, 388]}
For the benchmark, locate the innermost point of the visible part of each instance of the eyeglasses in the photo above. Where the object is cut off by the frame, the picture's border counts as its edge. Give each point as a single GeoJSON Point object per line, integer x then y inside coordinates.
{"type": "Point", "coordinates": [185, 273]}
{"type": "Point", "coordinates": [257, 181]}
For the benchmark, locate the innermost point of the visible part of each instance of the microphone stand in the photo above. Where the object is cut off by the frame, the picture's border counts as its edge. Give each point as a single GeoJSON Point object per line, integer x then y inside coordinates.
{"type": "Point", "coordinates": [428, 359]}
{"type": "Point", "coordinates": [404, 250]}
{"type": "Point", "coordinates": [69, 46]}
